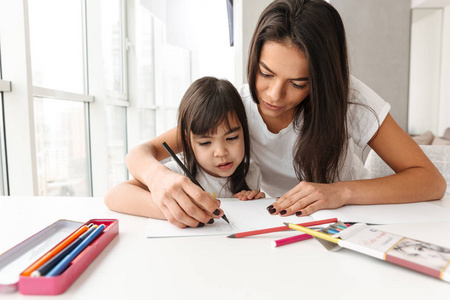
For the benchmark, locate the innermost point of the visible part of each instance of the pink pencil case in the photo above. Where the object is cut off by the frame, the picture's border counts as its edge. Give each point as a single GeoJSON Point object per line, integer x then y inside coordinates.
{"type": "Point", "coordinates": [14, 261]}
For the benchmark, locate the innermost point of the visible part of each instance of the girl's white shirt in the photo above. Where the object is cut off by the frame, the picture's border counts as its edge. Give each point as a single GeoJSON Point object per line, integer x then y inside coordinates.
{"type": "Point", "coordinates": [218, 185]}
{"type": "Point", "coordinates": [274, 152]}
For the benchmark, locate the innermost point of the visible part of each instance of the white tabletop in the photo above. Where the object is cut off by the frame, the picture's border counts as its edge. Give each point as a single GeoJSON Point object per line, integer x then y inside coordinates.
{"type": "Point", "coordinates": [215, 267]}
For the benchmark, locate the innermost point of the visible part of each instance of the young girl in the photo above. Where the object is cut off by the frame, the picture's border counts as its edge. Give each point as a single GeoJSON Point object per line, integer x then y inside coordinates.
{"type": "Point", "coordinates": [308, 121]}
{"type": "Point", "coordinates": [215, 145]}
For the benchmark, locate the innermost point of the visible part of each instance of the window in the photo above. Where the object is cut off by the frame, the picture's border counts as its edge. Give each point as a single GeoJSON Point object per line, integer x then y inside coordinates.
{"type": "Point", "coordinates": [57, 55]}
{"type": "Point", "coordinates": [5, 86]}
{"type": "Point", "coordinates": [61, 147]}
{"type": "Point", "coordinates": [114, 66]}
{"type": "Point", "coordinates": [58, 59]}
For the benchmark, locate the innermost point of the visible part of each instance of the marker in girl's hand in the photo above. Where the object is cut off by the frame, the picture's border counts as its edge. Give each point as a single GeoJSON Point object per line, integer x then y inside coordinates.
{"type": "Point", "coordinates": [188, 174]}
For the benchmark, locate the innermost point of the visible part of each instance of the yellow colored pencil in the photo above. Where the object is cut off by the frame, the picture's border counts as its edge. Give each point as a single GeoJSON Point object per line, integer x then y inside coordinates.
{"type": "Point", "coordinates": [312, 232]}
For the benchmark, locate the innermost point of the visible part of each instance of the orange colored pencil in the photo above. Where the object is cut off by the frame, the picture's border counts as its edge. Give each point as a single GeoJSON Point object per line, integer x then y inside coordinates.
{"type": "Point", "coordinates": [281, 228]}
{"type": "Point", "coordinates": [55, 250]}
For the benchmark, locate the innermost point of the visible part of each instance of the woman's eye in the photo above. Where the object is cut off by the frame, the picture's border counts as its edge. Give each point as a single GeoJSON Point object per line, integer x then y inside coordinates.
{"type": "Point", "coordinates": [300, 87]}
{"type": "Point", "coordinates": [264, 74]}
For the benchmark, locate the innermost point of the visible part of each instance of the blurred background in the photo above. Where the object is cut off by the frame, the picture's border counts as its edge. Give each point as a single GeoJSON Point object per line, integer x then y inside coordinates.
{"type": "Point", "coordinates": [83, 81]}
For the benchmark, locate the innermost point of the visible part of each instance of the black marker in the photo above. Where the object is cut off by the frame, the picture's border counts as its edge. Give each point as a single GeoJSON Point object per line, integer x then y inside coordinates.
{"type": "Point", "coordinates": [186, 171]}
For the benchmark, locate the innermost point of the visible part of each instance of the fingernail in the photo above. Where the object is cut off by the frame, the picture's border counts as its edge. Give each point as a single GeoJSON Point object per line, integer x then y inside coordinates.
{"type": "Point", "coordinates": [269, 207]}
{"type": "Point", "coordinates": [272, 210]}
{"type": "Point", "coordinates": [200, 224]}
{"type": "Point", "coordinates": [216, 212]}
{"type": "Point", "coordinates": [277, 198]}
{"type": "Point", "coordinates": [211, 221]}
{"type": "Point", "coordinates": [283, 212]}
{"type": "Point", "coordinates": [299, 213]}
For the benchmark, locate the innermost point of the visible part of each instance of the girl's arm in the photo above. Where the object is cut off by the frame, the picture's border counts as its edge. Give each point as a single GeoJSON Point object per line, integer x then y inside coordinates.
{"type": "Point", "coordinates": [157, 191]}
{"type": "Point", "coordinates": [416, 179]}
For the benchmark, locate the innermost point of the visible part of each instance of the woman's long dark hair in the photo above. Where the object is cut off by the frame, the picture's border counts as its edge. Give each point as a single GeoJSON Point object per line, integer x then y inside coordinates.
{"type": "Point", "coordinates": [316, 29]}
{"type": "Point", "coordinates": [208, 103]}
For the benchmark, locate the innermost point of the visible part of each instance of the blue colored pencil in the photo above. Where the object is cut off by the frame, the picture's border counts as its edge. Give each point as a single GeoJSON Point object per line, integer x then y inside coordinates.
{"type": "Point", "coordinates": [65, 262]}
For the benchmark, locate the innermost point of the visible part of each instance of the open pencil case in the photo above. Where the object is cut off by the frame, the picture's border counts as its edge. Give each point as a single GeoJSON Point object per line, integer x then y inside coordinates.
{"type": "Point", "coordinates": [14, 261]}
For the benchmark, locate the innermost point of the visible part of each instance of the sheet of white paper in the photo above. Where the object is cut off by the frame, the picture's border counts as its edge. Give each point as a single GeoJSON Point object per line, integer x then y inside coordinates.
{"type": "Point", "coordinates": [387, 213]}
{"type": "Point", "coordinates": [243, 216]}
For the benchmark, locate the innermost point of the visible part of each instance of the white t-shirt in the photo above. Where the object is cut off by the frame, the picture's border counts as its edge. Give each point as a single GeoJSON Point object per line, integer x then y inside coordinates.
{"type": "Point", "coordinates": [274, 152]}
{"type": "Point", "coordinates": [218, 185]}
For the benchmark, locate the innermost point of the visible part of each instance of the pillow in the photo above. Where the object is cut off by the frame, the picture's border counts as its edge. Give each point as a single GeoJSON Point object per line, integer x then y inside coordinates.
{"type": "Point", "coordinates": [447, 134]}
{"type": "Point", "coordinates": [424, 139]}
{"type": "Point", "coordinates": [440, 141]}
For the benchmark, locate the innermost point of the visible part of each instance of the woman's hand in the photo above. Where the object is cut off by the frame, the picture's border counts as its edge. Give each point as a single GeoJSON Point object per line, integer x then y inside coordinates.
{"type": "Point", "coordinates": [306, 198]}
{"type": "Point", "coordinates": [182, 202]}
{"type": "Point", "coordinates": [249, 195]}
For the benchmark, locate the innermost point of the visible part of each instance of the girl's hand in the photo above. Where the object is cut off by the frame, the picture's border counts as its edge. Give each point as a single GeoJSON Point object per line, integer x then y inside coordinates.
{"type": "Point", "coordinates": [249, 195]}
{"type": "Point", "coordinates": [181, 201]}
{"type": "Point", "coordinates": [306, 198]}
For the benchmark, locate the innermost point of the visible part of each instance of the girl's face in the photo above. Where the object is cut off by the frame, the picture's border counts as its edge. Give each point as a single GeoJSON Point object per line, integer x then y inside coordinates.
{"type": "Point", "coordinates": [282, 81]}
{"type": "Point", "coordinates": [219, 154]}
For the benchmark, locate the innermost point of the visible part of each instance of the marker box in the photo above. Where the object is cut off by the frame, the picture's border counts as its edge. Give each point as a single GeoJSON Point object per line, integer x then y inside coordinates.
{"type": "Point", "coordinates": [14, 261]}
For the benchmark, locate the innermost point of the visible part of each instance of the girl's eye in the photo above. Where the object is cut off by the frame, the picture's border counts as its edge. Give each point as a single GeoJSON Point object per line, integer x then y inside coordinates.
{"type": "Point", "coordinates": [233, 138]}
{"type": "Point", "coordinates": [264, 74]}
{"type": "Point", "coordinates": [300, 87]}
{"type": "Point", "coordinates": [204, 143]}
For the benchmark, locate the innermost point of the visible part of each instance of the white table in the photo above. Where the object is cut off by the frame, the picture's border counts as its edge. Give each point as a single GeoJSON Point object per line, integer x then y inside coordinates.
{"type": "Point", "coordinates": [135, 267]}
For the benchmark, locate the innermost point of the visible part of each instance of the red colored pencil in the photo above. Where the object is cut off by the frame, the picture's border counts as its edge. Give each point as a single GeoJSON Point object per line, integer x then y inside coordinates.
{"type": "Point", "coordinates": [281, 228]}
{"type": "Point", "coordinates": [291, 239]}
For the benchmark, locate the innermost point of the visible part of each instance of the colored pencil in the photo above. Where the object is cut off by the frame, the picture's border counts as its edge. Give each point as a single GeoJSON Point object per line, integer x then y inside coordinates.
{"type": "Point", "coordinates": [313, 232]}
{"type": "Point", "coordinates": [47, 256]}
{"type": "Point", "coordinates": [52, 262]}
{"type": "Point", "coordinates": [290, 240]}
{"type": "Point", "coordinates": [186, 171]}
{"type": "Point", "coordinates": [65, 262]}
{"type": "Point", "coordinates": [281, 228]}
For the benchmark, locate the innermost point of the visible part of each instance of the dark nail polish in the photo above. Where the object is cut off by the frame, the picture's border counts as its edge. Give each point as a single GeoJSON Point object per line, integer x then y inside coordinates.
{"type": "Point", "coordinates": [283, 212]}
{"type": "Point", "coordinates": [211, 221]}
{"type": "Point", "coordinates": [277, 198]}
{"type": "Point", "coordinates": [216, 212]}
{"type": "Point", "coordinates": [269, 207]}
{"type": "Point", "coordinates": [200, 224]}
{"type": "Point", "coordinates": [272, 210]}
{"type": "Point", "coordinates": [298, 214]}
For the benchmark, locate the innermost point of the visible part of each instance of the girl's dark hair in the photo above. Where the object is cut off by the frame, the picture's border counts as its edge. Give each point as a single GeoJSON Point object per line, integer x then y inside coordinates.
{"type": "Point", "coordinates": [207, 103]}
{"type": "Point", "coordinates": [316, 29]}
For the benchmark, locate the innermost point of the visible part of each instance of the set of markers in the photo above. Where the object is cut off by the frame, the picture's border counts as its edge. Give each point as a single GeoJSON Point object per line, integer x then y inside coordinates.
{"type": "Point", "coordinates": [48, 262]}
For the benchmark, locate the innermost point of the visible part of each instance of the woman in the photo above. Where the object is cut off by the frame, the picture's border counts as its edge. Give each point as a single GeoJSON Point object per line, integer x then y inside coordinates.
{"type": "Point", "coordinates": [307, 118]}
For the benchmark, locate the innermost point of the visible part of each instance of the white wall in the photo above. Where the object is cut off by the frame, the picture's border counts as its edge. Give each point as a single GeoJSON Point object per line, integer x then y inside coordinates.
{"type": "Point", "coordinates": [200, 26]}
{"type": "Point", "coordinates": [378, 34]}
{"type": "Point", "coordinates": [424, 90]}
{"type": "Point", "coordinates": [441, 119]}
{"type": "Point", "coordinates": [246, 14]}
{"type": "Point", "coordinates": [444, 107]}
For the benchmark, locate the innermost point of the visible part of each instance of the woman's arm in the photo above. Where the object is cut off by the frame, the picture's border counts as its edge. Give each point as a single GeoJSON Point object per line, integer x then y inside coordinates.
{"type": "Point", "coordinates": [416, 179]}
{"type": "Point", "coordinates": [157, 191]}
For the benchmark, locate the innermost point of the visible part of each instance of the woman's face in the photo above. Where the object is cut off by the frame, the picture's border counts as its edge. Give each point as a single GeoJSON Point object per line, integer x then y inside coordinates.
{"type": "Point", "coordinates": [282, 81]}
